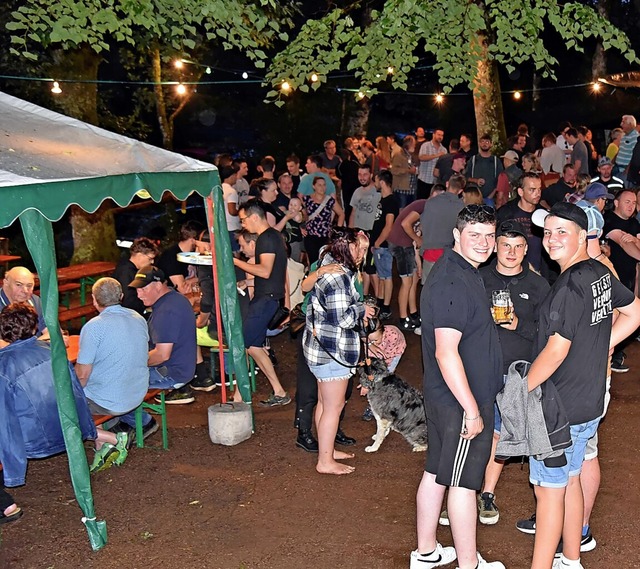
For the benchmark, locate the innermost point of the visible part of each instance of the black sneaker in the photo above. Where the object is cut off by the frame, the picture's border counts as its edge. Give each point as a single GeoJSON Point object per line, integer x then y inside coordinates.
{"type": "Point", "coordinates": [367, 415]}
{"type": "Point", "coordinates": [416, 320]}
{"type": "Point", "coordinates": [276, 401]}
{"type": "Point", "coordinates": [408, 324]}
{"type": "Point", "coordinates": [384, 314]}
{"type": "Point", "coordinates": [619, 367]}
{"type": "Point", "coordinates": [180, 396]}
{"type": "Point", "coordinates": [204, 384]}
{"type": "Point", "coordinates": [150, 428]}
{"type": "Point", "coordinates": [527, 526]}
{"type": "Point", "coordinates": [587, 543]}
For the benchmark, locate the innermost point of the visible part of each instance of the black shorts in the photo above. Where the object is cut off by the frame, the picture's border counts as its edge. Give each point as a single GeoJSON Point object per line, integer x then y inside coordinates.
{"type": "Point", "coordinates": [369, 265]}
{"type": "Point", "coordinates": [456, 461]}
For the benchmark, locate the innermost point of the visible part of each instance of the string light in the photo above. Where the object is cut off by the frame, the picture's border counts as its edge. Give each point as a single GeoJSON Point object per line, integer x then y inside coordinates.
{"type": "Point", "coordinates": [596, 86]}
{"type": "Point", "coordinates": [245, 75]}
{"type": "Point", "coordinates": [178, 64]}
{"type": "Point", "coordinates": [285, 87]}
{"type": "Point", "coordinates": [181, 89]}
{"type": "Point", "coordinates": [360, 95]}
{"type": "Point", "coordinates": [517, 95]}
{"type": "Point", "coordinates": [314, 77]}
{"type": "Point", "coordinates": [208, 70]}
{"type": "Point", "coordinates": [390, 70]}
{"type": "Point", "coordinates": [439, 98]}
{"type": "Point", "coordinates": [56, 88]}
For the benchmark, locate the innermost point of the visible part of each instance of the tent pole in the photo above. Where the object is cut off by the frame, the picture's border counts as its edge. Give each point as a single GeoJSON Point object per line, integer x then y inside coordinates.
{"type": "Point", "coordinates": [226, 295]}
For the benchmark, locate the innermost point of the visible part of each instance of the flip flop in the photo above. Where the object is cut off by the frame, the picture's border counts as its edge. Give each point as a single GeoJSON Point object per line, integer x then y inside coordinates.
{"type": "Point", "coordinates": [12, 517]}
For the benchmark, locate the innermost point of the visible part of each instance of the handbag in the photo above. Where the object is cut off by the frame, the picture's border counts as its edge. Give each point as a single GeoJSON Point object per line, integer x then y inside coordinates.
{"type": "Point", "coordinates": [281, 314]}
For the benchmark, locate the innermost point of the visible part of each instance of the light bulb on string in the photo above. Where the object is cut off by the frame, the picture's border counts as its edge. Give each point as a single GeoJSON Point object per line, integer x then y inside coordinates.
{"type": "Point", "coordinates": [181, 89]}
{"type": "Point", "coordinates": [390, 70]}
{"type": "Point", "coordinates": [596, 86]}
{"type": "Point", "coordinates": [56, 88]}
{"type": "Point", "coordinates": [360, 95]}
{"type": "Point", "coordinates": [314, 77]}
{"type": "Point", "coordinates": [208, 70]}
{"type": "Point", "coordinates": [245, 75]}
{"type": "Point", "coordinates": [517, 95]}
{"type": "Point", "coordinates": [178, 64]}
{"type": "Point", "coordinates": [285, 87]}
{"type": "Point", "coordinates": [439, 98]}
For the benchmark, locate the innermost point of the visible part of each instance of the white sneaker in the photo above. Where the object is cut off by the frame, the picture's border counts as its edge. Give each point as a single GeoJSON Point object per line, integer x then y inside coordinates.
{"type": "Point", "coordinates": [437, 558]}
{"type": "Point", "coordinates": [563, 563]}
{"type": "Point", "coordinates": [418, 331]}
{"type": "Point", "coordinates": [482, 564]}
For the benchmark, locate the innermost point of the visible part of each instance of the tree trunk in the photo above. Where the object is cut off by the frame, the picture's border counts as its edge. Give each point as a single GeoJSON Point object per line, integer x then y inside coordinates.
{"type": "Point", "coordinates": [599, 62]}
{"type": "Point", "coordinates": [166, 126]}
{"type": "Point", "coordinates": [358, 120]}
{"type": "Point", "coordinates": [94, 235]}
{"type": "Point", "coordinates": [487, 98]}
{"type": "Point", "coordinates": [79, 100]}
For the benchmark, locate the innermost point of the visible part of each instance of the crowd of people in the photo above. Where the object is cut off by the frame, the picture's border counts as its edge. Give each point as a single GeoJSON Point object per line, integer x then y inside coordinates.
{"type": "Point", "coordinates": [555, 227]}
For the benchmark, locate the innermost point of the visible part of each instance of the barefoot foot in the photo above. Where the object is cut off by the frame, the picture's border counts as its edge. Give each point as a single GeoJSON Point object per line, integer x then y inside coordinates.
{"type": "Point", "coordinates": [334, 468]}
{"type": "Point", "coordinates": [341, 455]}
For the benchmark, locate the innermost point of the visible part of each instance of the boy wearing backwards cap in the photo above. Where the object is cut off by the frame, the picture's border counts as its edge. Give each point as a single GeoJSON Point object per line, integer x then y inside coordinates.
{"type": "Point", "coordinates": [574, 337]}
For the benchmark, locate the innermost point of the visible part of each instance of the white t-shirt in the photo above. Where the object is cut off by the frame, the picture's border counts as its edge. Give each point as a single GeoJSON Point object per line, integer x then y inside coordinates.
{"type": "Point", "coordinates": [230, 196]}
{"type": "Point", "coordinates": [552, 158]}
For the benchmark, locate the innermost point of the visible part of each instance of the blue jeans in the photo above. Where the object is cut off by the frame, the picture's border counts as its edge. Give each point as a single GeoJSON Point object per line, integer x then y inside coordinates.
{"type": "Point", "coordinates": [156, 381]}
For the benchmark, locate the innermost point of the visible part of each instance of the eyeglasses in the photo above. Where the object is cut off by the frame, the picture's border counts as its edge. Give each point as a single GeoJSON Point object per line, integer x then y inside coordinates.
{"type": "Point", "coordinates": [475, 208]}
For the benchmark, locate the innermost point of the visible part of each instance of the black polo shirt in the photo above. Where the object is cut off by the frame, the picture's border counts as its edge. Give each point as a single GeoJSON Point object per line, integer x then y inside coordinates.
{"type": "Point", "coordinates": [454, 297]}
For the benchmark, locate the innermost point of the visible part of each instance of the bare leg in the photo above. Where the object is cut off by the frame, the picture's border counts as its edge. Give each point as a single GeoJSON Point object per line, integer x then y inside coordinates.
{"type": "Point", "coordinates": [264, 363]}
{"type": "Point", "coordinates": [105, 437]}
{"type": "Point", "coordinates": [549, 522]}
{"type": "Point", "coordinates": [494, 468]}
{"type": "Point", "coordinates": [573, 514]}
{"type": "Point", "coordinates": [388, 290]}
{"type": "Point", "coordinates": [413, 294]}
{"type": "Point", "coordinates": [330, 403]}
{"type": "Point", "coordinates": [590, 482]}
{"type": "Point", "coordinates": [429, 503]}
{"type": "Point", "coordinates": [375, 283]}
{"type": "Point", "coordinates": [463, 512]}
{"type": "Point", "coordinates": [199, 358]}
{"type": "Point", "coordinates": [403, 296]}
{"type": "Point", "coordinates": [366, 281]}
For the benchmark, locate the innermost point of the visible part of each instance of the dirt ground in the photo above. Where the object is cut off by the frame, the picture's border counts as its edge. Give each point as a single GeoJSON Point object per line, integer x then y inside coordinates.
{"type": "Point", "coordinates": [261, 505]}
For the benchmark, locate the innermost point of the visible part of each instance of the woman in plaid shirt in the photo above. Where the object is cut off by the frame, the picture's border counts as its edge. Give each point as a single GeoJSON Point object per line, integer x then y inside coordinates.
{"type": "Point", "coordinates": [331, 342]}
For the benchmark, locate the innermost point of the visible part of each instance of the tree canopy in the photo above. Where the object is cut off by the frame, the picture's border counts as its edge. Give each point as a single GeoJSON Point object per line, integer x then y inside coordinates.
{"type": "Point", "coordinates": [244, 24]}
{"type": "Point", "coordinates": [459, 35]}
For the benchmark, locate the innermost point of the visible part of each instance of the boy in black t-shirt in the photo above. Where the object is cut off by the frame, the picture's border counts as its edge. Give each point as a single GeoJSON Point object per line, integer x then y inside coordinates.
{"type": "Point", "coordinates": [574, 337]}
{"type": "Point", "coordinates": [269, 273]}
{"type": "Point", "coordinates": [463, 374]}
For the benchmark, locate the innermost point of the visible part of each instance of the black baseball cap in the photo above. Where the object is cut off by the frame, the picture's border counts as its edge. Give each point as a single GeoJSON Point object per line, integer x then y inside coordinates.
{"type": "Point", "coordinates": [564, 210]}
{"type": "Point", "coordinates": [148, 275]}
{"type": "Point", "coordinates": [511, 226]}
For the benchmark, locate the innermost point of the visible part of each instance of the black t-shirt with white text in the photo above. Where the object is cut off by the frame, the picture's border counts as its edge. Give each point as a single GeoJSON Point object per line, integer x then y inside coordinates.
{"type": "Point", "coordinates": [579, 308]}
{"type": "Point", "coordinates": [386, 205]}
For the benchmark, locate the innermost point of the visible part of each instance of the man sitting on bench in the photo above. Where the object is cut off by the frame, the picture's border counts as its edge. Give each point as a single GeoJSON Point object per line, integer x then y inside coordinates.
{"type": "Point", "coordinates": [112, 368]}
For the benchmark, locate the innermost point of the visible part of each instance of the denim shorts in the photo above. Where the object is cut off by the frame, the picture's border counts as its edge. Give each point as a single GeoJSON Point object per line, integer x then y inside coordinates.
{"type": "Point", "coordinates": [541, 475]}
{"type": "Point", "coordinates": [384, 262]}
{"type": "Point", "coordinates": [405, 259]}
{"type": "Point", "coordinates": [332, 371]}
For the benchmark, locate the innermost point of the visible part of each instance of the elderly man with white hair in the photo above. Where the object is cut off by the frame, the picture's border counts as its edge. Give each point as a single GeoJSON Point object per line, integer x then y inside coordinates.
{"type": "Point", "coordinates": [18, 287]}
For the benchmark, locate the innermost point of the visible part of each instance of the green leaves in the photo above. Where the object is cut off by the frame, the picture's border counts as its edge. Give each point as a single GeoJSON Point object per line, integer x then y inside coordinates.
{"type": "Point", "coordinates": [457, 35]}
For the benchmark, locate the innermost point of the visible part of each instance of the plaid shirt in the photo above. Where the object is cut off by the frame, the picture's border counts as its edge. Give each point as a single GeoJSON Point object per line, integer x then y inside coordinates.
{"type": "Point", "coordinates": [334, 311]}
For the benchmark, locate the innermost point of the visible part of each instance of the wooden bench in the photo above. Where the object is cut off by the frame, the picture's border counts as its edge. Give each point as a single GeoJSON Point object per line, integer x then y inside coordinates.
{"type": "Point", "coordinates": [65, 290]}
{"type": "Point", "coordinates": [68, 314]}
{"type": "Point", "coordinates": [150, 404]}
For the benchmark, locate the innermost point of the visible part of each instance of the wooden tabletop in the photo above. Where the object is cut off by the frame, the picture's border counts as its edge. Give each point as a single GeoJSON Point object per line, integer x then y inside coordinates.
{"type": "Point", "coordinates": [82, 270]}
{"type": "Point", "coordinates": [9, 258]}
{"type": "Point", "coordinates": [73, 348]}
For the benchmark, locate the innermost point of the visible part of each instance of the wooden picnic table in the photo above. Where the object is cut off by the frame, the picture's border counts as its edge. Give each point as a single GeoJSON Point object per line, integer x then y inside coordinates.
{"type": "Point", "coordinates": [84, 273]}
{"type": "Point", "coordinates": [9, 258]}
{"type": "Point", "coordinates": [73, 348]}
